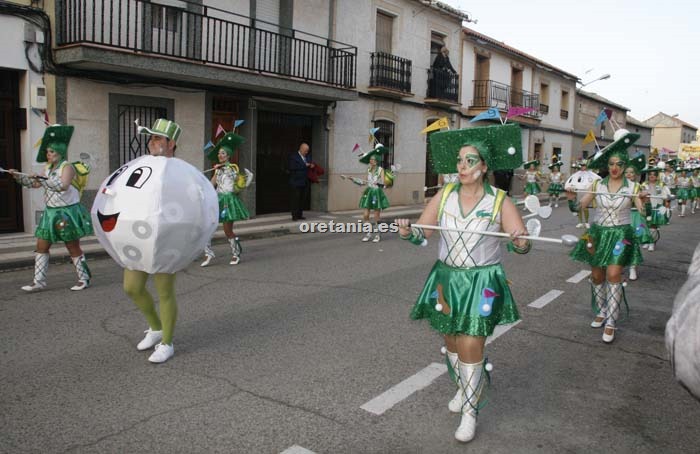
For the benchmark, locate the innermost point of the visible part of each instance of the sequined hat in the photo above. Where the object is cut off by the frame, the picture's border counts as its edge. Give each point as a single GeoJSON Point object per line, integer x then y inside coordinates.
{"type": "Point", "coordinates": [229, 143]}
{"type": "Point", "coordinates": [56, 137]}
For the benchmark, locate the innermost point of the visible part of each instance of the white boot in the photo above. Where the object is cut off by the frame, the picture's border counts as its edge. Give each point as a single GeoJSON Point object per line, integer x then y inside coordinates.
{"type": "Point", "coordinates": [652, 246]}
{"type": "Point", "coordinates": [236, 250]}
{"type": "Point", "coordinates": [208, 253]}
{"type": "Point", "coordinates": [41, 267]}
{"type": "Point", "coordinates": [368, 234]}
{"type": "Point", "coordinates": [682, 211]}
{"type": "Point", "coordinates": [83, 273]}
{"type": "Point", "coordinates": [470, 376]}
{"type": "Point", "coordinates": [633, 273]}
{"type": "Point", "coordinates": [615, 298]}
{"type": "Point", "coordinates": [457, 401]}
{"type": "Point", "coordinates": [598, 293]}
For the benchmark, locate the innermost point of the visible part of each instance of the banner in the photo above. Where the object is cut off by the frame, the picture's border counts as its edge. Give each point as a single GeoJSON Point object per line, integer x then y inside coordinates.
{"type": "Point", "coordinates": [490, 114]}
{"type": "Point", "coordinates": [516, 111]}
{"type": "Point", "coordinates": [439, 124]}
{"type": "Point", "coordinates": [601, 118]}
{"type": "Point", "coordinates": [590, 137]}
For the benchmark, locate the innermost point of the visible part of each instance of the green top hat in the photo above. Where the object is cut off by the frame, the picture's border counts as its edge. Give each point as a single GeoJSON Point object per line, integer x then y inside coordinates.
{"type": "Point", "coordinates": [229, 143]}
{"type": "Point", "coordinates": [623, 140]}
{"type": "Point", "coordinates": [377, 152]}
{"type": "Point", "coordinates": [57, 138]}
{"type": "Point", "coordinates": [500, 146]}
{"type": "Point", "coordinates": [556, 163]}
{"type": "Point", "coordinates": [162, 127]}
{"type": "Point", "coordinates": [638, 162]}
{"type": "Point", "coordinates": [671, 163]}
{"type": "Point", "coordinates": [527, 164]}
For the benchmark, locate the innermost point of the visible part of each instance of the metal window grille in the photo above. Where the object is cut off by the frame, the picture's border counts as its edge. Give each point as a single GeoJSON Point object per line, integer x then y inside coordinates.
{"type": "Point", "coordinates": [130, 144]}
{"type": "Point", "coordinates": [385, 136]}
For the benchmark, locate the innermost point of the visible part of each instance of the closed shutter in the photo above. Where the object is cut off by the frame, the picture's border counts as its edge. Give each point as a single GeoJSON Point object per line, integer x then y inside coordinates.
{"type": "Point", "coordinates": [269, 11]}
{"type": "Point", "coordinates": [385, 24]}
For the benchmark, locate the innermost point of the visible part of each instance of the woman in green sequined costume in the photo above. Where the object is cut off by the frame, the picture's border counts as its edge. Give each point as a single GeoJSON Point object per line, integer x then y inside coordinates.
{"type": "Point", "coordinates": [228, 181]}
{"type": "Point", "coordinates": [639, 224]}
{"type": "Point", "coordinates": [64, 219]}
{"type": "Point", "coordinates": [373, 198]}
{"type": "Point", "coordinates": [610, 244]}
{"type": "Point", "coordinates": [466, 293]}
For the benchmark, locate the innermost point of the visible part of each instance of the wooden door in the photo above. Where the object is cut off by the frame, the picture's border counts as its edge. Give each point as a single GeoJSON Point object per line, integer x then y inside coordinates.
{"type": "Point", "coordinates": [10, 192]}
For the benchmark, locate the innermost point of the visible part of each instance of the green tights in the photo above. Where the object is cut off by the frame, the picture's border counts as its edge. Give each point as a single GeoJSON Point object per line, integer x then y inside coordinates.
{"type": "Point", "coordinates": [135, 288]}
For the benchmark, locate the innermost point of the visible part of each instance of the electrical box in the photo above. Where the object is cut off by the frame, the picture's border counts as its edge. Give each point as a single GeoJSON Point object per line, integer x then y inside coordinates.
{"type": "Point", "coordinates": [38, 96]}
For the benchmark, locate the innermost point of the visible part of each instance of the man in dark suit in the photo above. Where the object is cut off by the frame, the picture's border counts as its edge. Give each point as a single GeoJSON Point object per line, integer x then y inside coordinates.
{"type": "Point", "coordinates": [298, 165]}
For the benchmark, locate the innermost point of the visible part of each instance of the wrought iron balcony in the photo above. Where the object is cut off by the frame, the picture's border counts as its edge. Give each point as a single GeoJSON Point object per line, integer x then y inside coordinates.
{"type": "Point", "coordinates": [443, 87]}
{"type": "Point", "coordinates": [204, 34]}
{"type": "Point", "coordinates": [389, 74]}
{"type": "Point", "coordinates": [489, 93]}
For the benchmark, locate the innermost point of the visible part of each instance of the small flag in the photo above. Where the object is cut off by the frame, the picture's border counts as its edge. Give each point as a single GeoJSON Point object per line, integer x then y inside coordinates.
{"type": "Point", "coordinates": [208, 145]}
{"type": "Point", "coordinates": [488, 115]}
{"type": "Point", "coordinates": [608, 113]}
{"type": "Point", "coordinates": [357, 145]}
{"type": "Point", "coordinates": [434, 126]}
{"type": "Point", "coordinates": [237, 123]}
{"type": "Point", "coordinates": [38, 143]}
{"type": "Point", "coordinates": [515, 111]}
{"type": "Point", "coordinates": [590, 137]}
{"type": "Point", "coordinates": [373, 131]}
{"type": "Point", "coordinates": [219, 130]}
{"type": "Point", "coordinates": [601, 118]}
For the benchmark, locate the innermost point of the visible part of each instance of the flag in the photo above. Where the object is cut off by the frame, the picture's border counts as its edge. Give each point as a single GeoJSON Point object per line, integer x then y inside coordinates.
{"type": "Point", "coordinates": [515, 111]}
{"type": "Point", "coordinates": [237, 123]}
{"type": "Point", "coordinates": [219, 130]}
{"type": "Point", "coordinates": [488, 115]}
{"type": "Point", "coordinates": [434, 126]}
{"type": "Point", "coordinates": [38, 143]}
{"type": "Point", "coordinates": [608, 113]}
{"type": "Point", "coordinates": [208, 145]}
{"type": "Point", "coordinates": [601, 118]}
{"type": "Point", "coordinates": [357, 145]}
{"type": "Point", "coordinates": [590, 137]}
{"type": "Point", "coordinates": [372, 131]}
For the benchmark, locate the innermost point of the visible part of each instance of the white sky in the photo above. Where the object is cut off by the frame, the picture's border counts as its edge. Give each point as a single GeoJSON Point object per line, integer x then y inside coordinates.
{"type": "Point", "coordinates": [650, 48]}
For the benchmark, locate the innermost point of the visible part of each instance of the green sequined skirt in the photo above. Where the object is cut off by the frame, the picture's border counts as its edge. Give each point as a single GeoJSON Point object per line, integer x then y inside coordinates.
{"type": "Point", "coordinates": [641, 228]}
{"type": "Point", "coordinates": [610, 246]}
{"type": "Point", "coordinates": [683, 194]}
{"type": "Point", "coordinates": [374, 199]}
{"type": "Point", "coordinates": [555, 188]}
{"type": "Point", "coordinates": [474, 300]}
{"type": "Point", "coordinates": [658, 218]}
{"type": "Point", "coordinates": [532, 188]}
{"type": "Point", "coordinates": [63, 224]}
{"type": "Point", "coordinates": [693, 193]}
{"type": "Point", "coordinates": [231, 208]}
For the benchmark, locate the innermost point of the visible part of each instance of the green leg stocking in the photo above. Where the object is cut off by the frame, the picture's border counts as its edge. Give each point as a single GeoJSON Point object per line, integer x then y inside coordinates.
{"type": "Point", "coordinates": [135, 288]}
{"type": "Point", "coordinates": [165, 286]}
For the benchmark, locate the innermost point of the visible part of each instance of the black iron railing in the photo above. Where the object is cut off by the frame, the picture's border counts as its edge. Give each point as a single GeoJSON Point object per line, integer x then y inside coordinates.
{"type": "Point", "coordinates": [390, 71]}
{"type": "Point", "coordinates": [206, 35]}
{"type": "Point", "coordinates": [544, 108]}
{"type": "Point", "coordinates": [489, 93]}
{"type": "Point", "coordinates": [564, 114]}
{"type": "Point", "coordinates": [443, 84]}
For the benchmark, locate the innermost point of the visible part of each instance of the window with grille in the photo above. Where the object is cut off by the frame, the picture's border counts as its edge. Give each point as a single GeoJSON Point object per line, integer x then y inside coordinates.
{"type": "Point", "coordinates": [131, 145]}
{"type": "Point", "coordinates": [385, 136]}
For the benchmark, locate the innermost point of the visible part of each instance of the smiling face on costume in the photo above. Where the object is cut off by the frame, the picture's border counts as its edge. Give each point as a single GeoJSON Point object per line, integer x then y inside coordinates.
{"type": "Point", "coordinates": [470, 167]}
{"type": "Point", "coordinates": [222, 155]}
{"type": "Point", "coordinates": [615, 166]}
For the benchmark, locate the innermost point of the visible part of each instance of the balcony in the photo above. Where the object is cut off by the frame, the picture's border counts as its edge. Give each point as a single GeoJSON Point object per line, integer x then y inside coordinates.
{"type": "Point", "coordinates": [202, 46]}
{"type": "Point", "coordinates": [489, 93]}
{"type": "Point", "coordinates": [443, 88]}
{"type": "Point", "coordinates": [389, 75]}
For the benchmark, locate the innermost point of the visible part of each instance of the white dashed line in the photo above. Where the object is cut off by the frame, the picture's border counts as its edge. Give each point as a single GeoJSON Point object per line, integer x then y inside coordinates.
{"type": "Point", "coordinates": [396, 394]}
{"type": "Point", "coordinates": [296, 449]}
{"type": "Point", "coordinates": [500, 331]}
{"type": "Point", "coordinates": [578, 277]}
{"type": "Point", "coordinates": [545, 299]}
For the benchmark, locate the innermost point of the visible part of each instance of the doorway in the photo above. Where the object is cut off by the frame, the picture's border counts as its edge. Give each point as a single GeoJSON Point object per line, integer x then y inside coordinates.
{"type": "Point", "coordinates": [11, 216]}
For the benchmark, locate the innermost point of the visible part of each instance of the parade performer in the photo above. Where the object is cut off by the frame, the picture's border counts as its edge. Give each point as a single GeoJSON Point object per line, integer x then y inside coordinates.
{"type": "Point", "coordinates": [373, 198]}
{"type": "Point", "coordinates": [228, 181]}
{"type": "Point", "coordinates": [531, 177]}
{"type": "Point", "coordinates": [610, 244]}
{"type": "Point", "coordinates": [64, 219]}
{"type": "Point", "coordinates": [683, 185]}
{"type": "Point", "coordinates": [583, 179]}
{"type": "Point", "coordinates": [669, 178]}
{"type": "Point", "coordinates": [640, 225]}
{"type": "Point", "coordinates": [695, 192]}
{"type": "Point", "coordinates": [555, 182]}
{"type": "Point", "coordinates": [154, 216]}
{"type": "Point", "coordinates": [466, 294]}
{"type": "Point", "coordinates": [659, 199]}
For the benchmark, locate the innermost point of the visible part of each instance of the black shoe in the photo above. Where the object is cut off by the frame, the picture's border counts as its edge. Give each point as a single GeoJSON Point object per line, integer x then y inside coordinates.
{"type": "Point", "coordinates": [302, 218]}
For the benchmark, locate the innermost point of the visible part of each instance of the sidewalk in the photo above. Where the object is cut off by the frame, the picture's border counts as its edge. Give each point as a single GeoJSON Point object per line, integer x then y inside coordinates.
{"type": "Point", "coordinates": [16, 249]}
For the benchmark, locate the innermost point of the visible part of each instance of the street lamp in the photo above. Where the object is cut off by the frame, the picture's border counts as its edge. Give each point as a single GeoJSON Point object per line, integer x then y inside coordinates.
{"type": "Point", "coordinates": [603, 77]}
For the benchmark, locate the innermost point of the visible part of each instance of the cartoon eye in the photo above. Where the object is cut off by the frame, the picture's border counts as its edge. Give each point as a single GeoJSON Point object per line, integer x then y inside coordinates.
{"type": "Point", "coordinates": [116, 174]}
{"type": "Point", "coordinates": [138, 177]}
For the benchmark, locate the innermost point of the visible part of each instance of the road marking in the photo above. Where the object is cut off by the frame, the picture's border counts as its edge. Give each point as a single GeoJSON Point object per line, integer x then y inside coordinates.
{"type": "Point", "coordinates": [327, 217]}
{"type": "Point", "coordinates": [578, 277]}
{"type": "Point", "coordinates": [396, 394]}
{"type": "Point", "coordinates": [296, 449]}
{"type": "Point", "coordinates": [500, 331]}
{"type": "Point", "coordinates": [545, 299]}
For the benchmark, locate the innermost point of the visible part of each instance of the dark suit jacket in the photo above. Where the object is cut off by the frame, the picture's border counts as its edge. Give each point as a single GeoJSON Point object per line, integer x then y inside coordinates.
{"type": "Point", "coordinates": [297, 170]}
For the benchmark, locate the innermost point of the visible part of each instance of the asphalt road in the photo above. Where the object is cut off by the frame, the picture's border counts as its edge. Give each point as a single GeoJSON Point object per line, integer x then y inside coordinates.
{"type": "Point", "coordinates": [282, 351]}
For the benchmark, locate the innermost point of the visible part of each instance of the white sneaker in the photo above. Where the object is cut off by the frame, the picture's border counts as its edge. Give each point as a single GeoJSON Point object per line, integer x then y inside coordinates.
{"type": "Point", "coordinates": [579, 225]}
{"type": "Point", "coordinates": [163, 353]}
{"type": "Point", "coordinates": [587, 225]}
{"type": "Point", "coordinates": [467, 428]}
{"type": "Point", "coordinates": [206, 261]}
{"type": "Point", "coordinates": [645, 246]}
{"type": "Point", "coordinates": [633, 273]}
{"type": "Point", "coordinates": [234, 260]}
{"type": "Point", "coordinates": [652, 246]}
{"type": "Point", "coordinates": [151, 339]}
{"type": "Point", "coordinates": [367, 237]}
{"type": "Point", "coordinates": [81, 285]}
{"type": "Point", "coordinates": [34, 287]}
{"type": "Point", "coordinates": [376, 238]}
{"type": "Point", "coordinates": [556, 205]}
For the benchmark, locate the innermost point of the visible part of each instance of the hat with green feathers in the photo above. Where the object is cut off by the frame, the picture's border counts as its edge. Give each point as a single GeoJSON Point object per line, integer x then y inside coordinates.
{"type": "Point", "coordinates": [229, 143]}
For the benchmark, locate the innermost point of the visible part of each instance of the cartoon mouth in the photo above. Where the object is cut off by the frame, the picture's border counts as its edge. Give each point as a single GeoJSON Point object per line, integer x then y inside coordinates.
{"type": "Point", "coordinates": [107, 221]}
